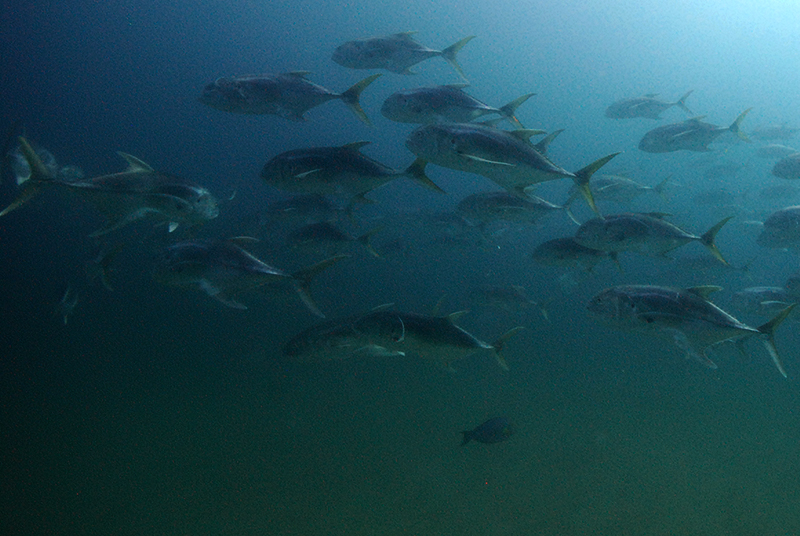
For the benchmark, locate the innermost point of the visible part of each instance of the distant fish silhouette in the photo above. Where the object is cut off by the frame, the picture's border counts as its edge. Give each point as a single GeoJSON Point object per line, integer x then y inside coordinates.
{"type": "Point", "coordinates": [494, 430]}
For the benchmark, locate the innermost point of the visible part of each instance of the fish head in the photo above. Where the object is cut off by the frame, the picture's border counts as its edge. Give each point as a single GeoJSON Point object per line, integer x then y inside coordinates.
{"type": "Point", "coordinates": [406, 107]}
{"type": "Point", "coordinates": [653, 142]}
{"type": "Point", "coordinates": [222, 94]}
{"type": "Point", "coordinates": [601, 234]}
{"type": "Point", "coordinates": [615, 307]}
{"type": "Point", "coordinates": [354, 54]}
{"type": "Point", "coordinates": [434, 142]}
{"type": "Point", "coordinates": [184, 203]}
{"type": "Point", "coordinates": [386, 327]}
{"type": "Point", "coordinates": [181, 264]}
{"type": "Point", "coordinates": [325, 341]}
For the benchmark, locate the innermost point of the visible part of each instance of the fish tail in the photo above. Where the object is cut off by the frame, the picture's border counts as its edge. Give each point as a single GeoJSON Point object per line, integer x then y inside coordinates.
{"type": "Point", "coordinates": [303, 279]}
{"type": "Point", "coordinates": [708, 237]}
{"type": "Point", "coordinates": [39, 177]}
{"type": "Point", "coordinates": [768, 330]}
{"type": "Point", "coordinates": [467, 435]}
{"type": "Point", "coordinates": [350, 97]}
{"type": "Point", "coordinates": [544, 143]}
{"type": "Point", "coordinates": [510, 109]}
{"type": "Point", "coordinates": [735, 126]}
{"type": "Point", "coordinates": [450, 54]}
{"type": "Point", "coordinates": [497, 345]}
{"type": "Point", "coordinates": [364, 240]}
{"type": "Point", "coordinates": [682, 103]}
{"type": "Point", "coordinates": [659, 188]}
{"type": "Point", "coordinates": [582, 180]}
{"type": "Point", "coordinates": [416, 171]}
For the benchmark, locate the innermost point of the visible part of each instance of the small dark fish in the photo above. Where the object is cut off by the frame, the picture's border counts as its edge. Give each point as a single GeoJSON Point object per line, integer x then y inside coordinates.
{"type": "Point", "coordinates": [136, 193]}
{"type": "Point", "coordinates": [646, 106]}
{"type": "Point", "coordinates": [690, 135]}
{"type": "Point", "coordinates": [788, 167]}
{"type": "Point", "coordinates": [336, 171]}
{"type": "Point", "coordinates": [684, 315]}
{"type": "Point", "coordinates": [396, 53]}
{"type": "Point", "coordinates": [288, 95]}
{"type": "Point", "coordinates": [507, 158]}
{"type": "Point", "coordinates": [222, 269]}
{"type": "Point", "coordinates": [494, 430]}
{"type": "Point", "coordinates": [781, 229]}
{"type": "Point", "coordinates": [303, 209]}
{"type": "Point", "coordinates": [441, 104]}
{"type": "Point", "coordinates": [511, 298]}
{"type": "Point", "coordinates": [775, 150]}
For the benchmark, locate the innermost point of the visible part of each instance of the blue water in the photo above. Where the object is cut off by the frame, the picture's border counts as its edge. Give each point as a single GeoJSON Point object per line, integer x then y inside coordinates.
{"type": "Point", "coordinates": [159, 411]}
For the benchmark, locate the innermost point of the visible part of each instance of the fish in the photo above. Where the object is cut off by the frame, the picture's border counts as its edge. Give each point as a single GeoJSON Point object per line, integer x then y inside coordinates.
{"type": "Point", "coordinates": [441, 104]}
{"type": "Point", "coordinates": [384, 332]}
{"type": "Point", "coordinates": [343, 171]}
{"type": "Point", "coordinates": [691, 135]}
{"type": "Point", "coordinates": [222, 269]}
{"type": "Point", "coordinates": [763, 300]}
{"type": "Point", "coordinates": [303, 209]}
{"type": "Point", "coordinates": [685, 316]}
{"type": "Point", "coordinates": [511, 299]}
{"type": "Point", "coordinates": [775, 150]}
{"type": "Point", "coordinates": [323, 234]}
{"type": "Point", "coordinates": [396, 53]}
{"type": "Point", "coordinates": [494, 430]}
{"type": "Point", "coordinates": [781, 132]}
{"type": "Point", "coordinates": [288, 95]}
{"type": "Point", "coordinates": [788, 167]}
{"type": "Point", "coordinates": [647, 106]}
{"type": "Point", "coordinates": [128, 196]}
{"type": "Point", "coordinates": [781, 229]}
{"type": "Point", "coordinates": [507, 158]}
{"type": "Point", "coordinates": [486, 207]}
{"type": "Point", "coordinates": [565, 252]}
{"type": "Point", "coordinates": [19, 164]}
{"type": "Point", "coordinates": [648, 234]}
{"type": "Point", "coordinates": [100, 266]}
{"type": "Point", "coordinates": [619, 189]}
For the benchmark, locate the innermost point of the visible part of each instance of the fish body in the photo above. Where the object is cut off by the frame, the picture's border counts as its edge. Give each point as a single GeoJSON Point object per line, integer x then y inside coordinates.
{"type": "Point", "coordinates": [511, 298]}
{"type": "Point", "coordinates": [288, 95]}
{"type": "Point", "coordinates": [775, 150]}
{"type": "Point", "coordinates": [384, 332]}
{"type": "Point", "coordinates": [619, 189]}
{"type": "Point", "coordinates": [487, 207]}
{"type": "Point", "coordinates": [690, 135]}
{"type": "Point", "coordinates": [396, 53]}
{"type": "Point", "coordinates": [684, 315]}
{"type": "Point", "coordinates": [647, 106]}
{"type": "Point", "coordinates": [781, 229]}
{"type": "Point", "coordinates": [567, 253]}
{"type": "Point", "coordinates": [327, 235]}
{"type": "Point", "coordinates": [343, 171]}
{"type": "Point", "coordinates": [648, 234]}
{"type": "Point", "coordinates": [507, 158]}
{"type": "Point", "coordinates": [222, 269]}
{"type": "Point", "coordinates": [775, 133]}
{"type": "Point", "coordinates": [763, 300]}
{"type": "Point", "coordinates": [788, 167]}
{"type": "Point", "coordinates": [303, 209]}
{"type": "Point", "coordinates": [441, 104]}
{"type": "Point", "coordinates": [136, 193]}
{"type": "Point", "coordinates": [494, 430]}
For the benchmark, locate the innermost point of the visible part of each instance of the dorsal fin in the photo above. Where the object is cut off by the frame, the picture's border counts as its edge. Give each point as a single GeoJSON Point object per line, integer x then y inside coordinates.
{"type": "Point", "coordinates": [135, 164]}
{"type": "Point", "coordinates": [356, 145]}
{"type": "Point", "coordinates": [704, 291]}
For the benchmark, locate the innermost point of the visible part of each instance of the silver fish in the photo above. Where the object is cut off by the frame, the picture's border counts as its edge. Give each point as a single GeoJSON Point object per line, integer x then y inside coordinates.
{"type": "Point", "coordinates": [684, 315]}
{"type": "Point", "coordinates": [325, 235]}
{"type": "Point", "coordinates": [507, 158]}
{"type": "Point", "coordinates": [336, 171]}
{"type": "Point", "coordinates": [384, 332]}
{"type": "Point", "coordinates": [567, 253]}
{"type": "Point", "coordinates": [763, 300]}
{"type": "Point", "coordinates": [222, 269]}
{"type": "Point", "coordinates": [396, 53]}
{"type": "Point", "coordinates": [788, 167]}
{"type": "Point", "coordinates": [690, 135]}
{"type": "Point", "coordinates": [781, 229]}
{"type": "Point", "coordinates": [441, 104]}
{"type": "Point", "coordinates": [487, 207]}
{"type": "Point", "coordinates": [647, 106]}
{"type": "Point", "coordinates": [648, 234]}
{"type": "Point", "coordinates": [288, 95]}
{"type": "Point", "coordinates": [619, 189]}
{"type": "Point", "coordinates": [136, 193]}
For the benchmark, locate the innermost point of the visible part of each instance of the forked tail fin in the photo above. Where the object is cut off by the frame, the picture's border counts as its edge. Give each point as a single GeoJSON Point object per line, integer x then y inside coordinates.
{"type": "Point", "coordinates": [303, 279]}
{"type": "Point", "coordinates": [450, 54]}
{"type": "Point", "coordinates": [582, 180]}
{"type": "Point", "coordinates": [350, 97]}
{"type": "Point", "coordinates": [708, 240]}
{"type": "Point", "coordinates": [768, 330]}
{"type": "Point", "coordinates": [40, 176]}
{"type": "Point", "coordinates": [510, 109]}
